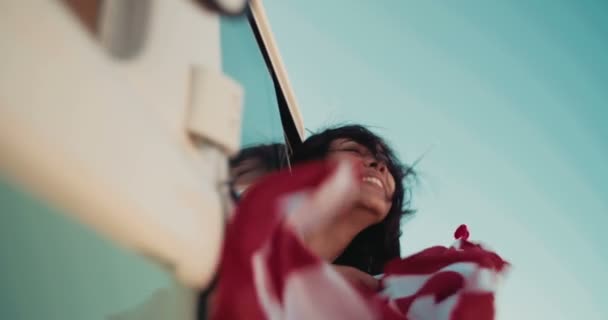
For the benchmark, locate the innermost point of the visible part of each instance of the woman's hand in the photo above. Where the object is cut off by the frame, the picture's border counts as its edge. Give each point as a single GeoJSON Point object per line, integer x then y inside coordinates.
{"type": "Point", "coordinates": [358, 278]}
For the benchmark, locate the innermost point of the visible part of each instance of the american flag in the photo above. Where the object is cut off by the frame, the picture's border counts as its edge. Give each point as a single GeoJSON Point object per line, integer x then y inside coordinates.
{"type": "Point", "coordinates": [267, 272]}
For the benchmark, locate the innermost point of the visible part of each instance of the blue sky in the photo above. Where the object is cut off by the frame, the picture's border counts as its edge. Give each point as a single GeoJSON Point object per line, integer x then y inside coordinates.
{"type": "Point", "coordinates": [511, 97]}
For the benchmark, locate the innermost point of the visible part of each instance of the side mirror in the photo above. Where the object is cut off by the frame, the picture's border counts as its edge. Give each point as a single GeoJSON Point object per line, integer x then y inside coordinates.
{"type": "Point", "coordinates": [226, 7]}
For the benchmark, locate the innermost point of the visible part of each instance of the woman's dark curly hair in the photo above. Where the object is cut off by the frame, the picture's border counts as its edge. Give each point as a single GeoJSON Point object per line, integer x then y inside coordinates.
{"type": "Point", "coordinates": [373, 247]}
{"type": "Point", "coordinates": [269, 157]}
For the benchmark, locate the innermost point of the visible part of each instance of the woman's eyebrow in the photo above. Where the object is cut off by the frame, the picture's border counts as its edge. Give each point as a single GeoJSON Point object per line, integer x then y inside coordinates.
{"type": "Point", "coordinates": [382, 156]}
{"type": "Point", "coordinates": [380, 150]}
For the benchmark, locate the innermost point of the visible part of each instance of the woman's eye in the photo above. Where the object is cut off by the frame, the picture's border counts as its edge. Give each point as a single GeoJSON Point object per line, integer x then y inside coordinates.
{"type": "Point", "coordinates": [354, 150]}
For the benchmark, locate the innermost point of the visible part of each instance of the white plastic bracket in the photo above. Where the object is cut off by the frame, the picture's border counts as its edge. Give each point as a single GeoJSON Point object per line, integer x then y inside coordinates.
{"type": "Point", "coordinates": [215, 109]}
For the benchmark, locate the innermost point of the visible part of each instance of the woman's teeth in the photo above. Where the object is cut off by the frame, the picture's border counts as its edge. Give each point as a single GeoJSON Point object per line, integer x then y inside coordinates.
{"type": "Point", "coordinates": [373, 180]}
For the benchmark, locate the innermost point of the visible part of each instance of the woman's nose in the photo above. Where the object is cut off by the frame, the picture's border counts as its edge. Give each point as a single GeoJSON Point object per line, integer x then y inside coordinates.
{"type": "Point", "coordinates": [372, 162]}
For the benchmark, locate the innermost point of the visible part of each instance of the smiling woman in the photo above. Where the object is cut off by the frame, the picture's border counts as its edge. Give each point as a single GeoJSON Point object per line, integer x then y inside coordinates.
{"type": "Point", "coordinates": [368, 236]}
{"type": "Point", "coordinates": [362, 240]}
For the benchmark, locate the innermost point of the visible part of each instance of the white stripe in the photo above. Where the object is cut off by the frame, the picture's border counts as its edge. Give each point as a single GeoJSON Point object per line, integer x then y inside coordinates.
{"type": "Point", "coordinates": [443, 310]}
{"type": "Point", "coordinates": [319, 292]}
{"type": "Point", "coordinates": [403, 286]}
{"type": "Point", "coordinates": [422, 308]}
{"type": "Point", "coordinates": [476, 280]}
{"type": "Point", "coordinates": [269, 303]}
{"type": "Point", "coordinates": [425, 308]}
{"type": "Point", "coordinates": [485, 280]}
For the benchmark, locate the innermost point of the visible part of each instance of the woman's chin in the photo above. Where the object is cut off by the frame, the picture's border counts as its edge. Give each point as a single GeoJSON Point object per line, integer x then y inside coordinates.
{"type": "Point", "coordinates": [375, 208]}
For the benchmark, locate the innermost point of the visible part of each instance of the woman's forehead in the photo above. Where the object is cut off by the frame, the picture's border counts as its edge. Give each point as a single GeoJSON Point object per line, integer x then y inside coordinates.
{"type": "Point", "coordinates": [377, 147]}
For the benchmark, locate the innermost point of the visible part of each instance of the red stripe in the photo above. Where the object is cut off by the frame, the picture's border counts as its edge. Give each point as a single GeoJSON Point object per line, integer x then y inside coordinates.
{"type": "Point", "coordinates": [474, 306]}
{"type": "Point", "coordinates": [436, 258]}
{"type": "Point", "coordinates": [287, 255]}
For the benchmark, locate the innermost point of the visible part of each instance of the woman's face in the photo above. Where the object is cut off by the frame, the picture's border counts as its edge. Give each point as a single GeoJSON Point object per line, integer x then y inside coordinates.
{"type": "Point", "coordinates": [377, 185]}
{"type": "Point", "coordinates": [245, 174]}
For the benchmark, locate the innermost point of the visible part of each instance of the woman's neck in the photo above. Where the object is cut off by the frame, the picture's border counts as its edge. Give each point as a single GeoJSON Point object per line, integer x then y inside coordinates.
{"type": "Point", "coordinates": [330, 242]}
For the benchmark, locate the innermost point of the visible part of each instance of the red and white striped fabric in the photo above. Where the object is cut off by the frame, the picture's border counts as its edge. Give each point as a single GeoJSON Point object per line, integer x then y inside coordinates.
{"type": "Point", "coordinates": [268, 273]}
